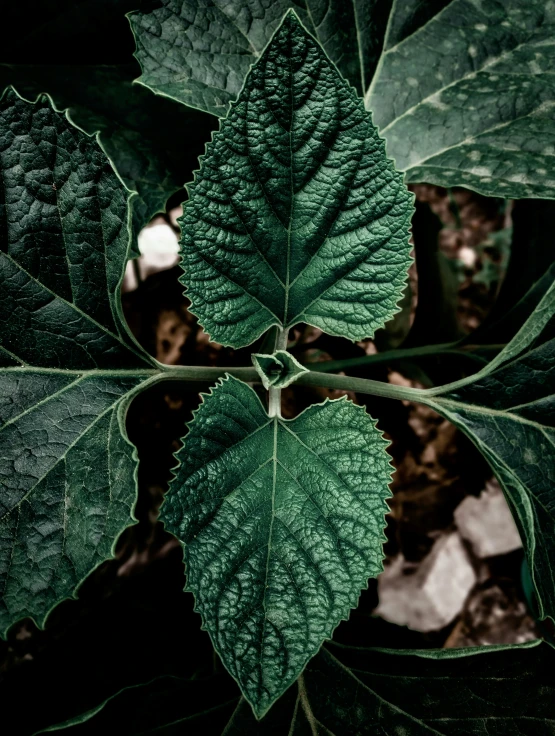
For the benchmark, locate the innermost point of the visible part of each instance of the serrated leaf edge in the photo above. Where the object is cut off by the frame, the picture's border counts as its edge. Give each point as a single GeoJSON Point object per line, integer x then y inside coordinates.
{"type": "Point", "coordinates": [259, 714]}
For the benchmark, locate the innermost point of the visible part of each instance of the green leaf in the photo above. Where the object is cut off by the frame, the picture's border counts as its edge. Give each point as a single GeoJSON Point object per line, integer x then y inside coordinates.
{"type": "Point", "coordinates": [468, 98]}
{"type": "Point", "coordinates": [296, 215]}
{"type": "Point", "coordinates": [67, 362]}
{"type": "Point", "coordinates": [278, 370]}
{"type": "Point", "coordinates": [145, 153]}
{"type": "Point", "coordinates": [282, 523]}
{"type": "Point", "coordinates": [498, 691]}
{"type": "Point", "coordinates": [200, 52]}
{"type": "Point", "coordinates": [79, 53]}
{"type": "Point", "coordinates": [463, 92]}
{"type": "Point", "coordinates": [507, 411]}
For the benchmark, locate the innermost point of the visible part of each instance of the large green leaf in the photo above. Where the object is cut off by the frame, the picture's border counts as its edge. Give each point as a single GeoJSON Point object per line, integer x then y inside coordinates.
{"type": "Point", "coordinates": [491, 691]}
{"type": "Point", "coordinates": [67, 471]}
{"type": "Point", "coordinates": [463, 90]}
{"type": "Point", "coordinates": [478, 107]}
{"type": "Point", "coordinates": [282, 523]}
{"type": "Point", "coordinates": [79, 52]}
{"type": "Point", "coordinates": [139, 131]}
{"type": "Point", "coordinates": [296, 215]}
{"type": "Point", "coordinates": [507, 410]}
{"type": "Point", "coordinates": [199, 51]}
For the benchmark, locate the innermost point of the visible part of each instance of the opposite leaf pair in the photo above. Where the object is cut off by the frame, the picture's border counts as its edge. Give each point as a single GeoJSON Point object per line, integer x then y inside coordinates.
{"type": "Point", "coordinates": [296, 215]}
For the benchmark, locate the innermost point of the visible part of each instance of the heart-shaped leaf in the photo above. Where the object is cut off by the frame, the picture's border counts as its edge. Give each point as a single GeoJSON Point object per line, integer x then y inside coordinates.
{"type": "Point", "coordinates": [282, 523]}
{"type": "Point", "coordinates": [296, 215]}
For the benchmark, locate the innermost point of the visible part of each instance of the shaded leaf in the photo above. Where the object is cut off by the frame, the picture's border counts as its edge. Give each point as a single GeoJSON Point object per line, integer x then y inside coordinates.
{"type": "Point", "coordinates": [139, 132]}
{"type": "Point", "coordinates": [278, 370]}
{"type": "Point", "coordinates": [176, 40]}
{"type": "Point", "coordinates": [488, 691]}
{"type": "Point", "coordinates": [79, 52]}
{"type": "Point", "coordinates": [296, 215]}
{"type": "Point", "coordinates": [67, 362]}
{"type": "Point", "coordinates": [282, 524]}
{"type": "Point", "coordinates": [507, 410]}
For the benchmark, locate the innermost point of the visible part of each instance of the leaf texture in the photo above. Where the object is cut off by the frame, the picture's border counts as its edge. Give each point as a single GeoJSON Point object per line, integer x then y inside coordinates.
{"type": "Point", "coordinates": [199, 51]}
{"type": "Point", "coordinates": [67, 363]}
{"type": "Point", "coordinates": [478, 109]}
{"type": "Point", "coordinates": [462, 90]}
{"type": "Point", "coordinates": [102, 98]}
{"type": "Point", "coordinates": [79, 53]}
{"type": "Point", "coordinates": [486, 691]}
{"type": "Point", "coordinates": [296, 215]}
{"type": "Point", "coordinates": [507, 410]}
{"type": "Point", "coordinates": [67, 479]}
{"type": "Point", "coordinates": [282, 524]}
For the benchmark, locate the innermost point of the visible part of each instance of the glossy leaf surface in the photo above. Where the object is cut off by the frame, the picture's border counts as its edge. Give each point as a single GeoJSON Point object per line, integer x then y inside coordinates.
{"type": "Point", "coordinates": [478, 109]}
{"type": "Point", "coordinates": [296, 215]}
{"type": "Point", "coordinates": [67, 480]}
{"type": "Point", "coordinates": [282, 524]}
{"type": "Point", "coordinates": [463, 91]}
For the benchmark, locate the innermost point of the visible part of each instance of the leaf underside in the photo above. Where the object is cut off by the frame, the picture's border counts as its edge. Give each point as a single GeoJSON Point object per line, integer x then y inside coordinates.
{"type": "Point", "coordinates": [282, 524]}
{"type": "Point", "coordinates": [67, 471]}
{"type": "Point", "coordinates": [477, 108]}
{"type": "Point", "coordinates": [296, 215]}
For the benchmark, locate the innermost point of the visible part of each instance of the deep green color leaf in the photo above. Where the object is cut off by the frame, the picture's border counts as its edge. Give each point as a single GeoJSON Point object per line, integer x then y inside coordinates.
{"type": "Point", "coordinates": [296, 215]}
{"type": "Point", "coordinates": [199, 51]}
{"type": "Point", "coordinates": [478, 107]}
{"type": "Point", "coordinates": [278, 370]}
{"type": "Point", "coordinates": [489, 691]}
{"type": "Point", "coordinates": [80, 53]}
{"type": "Point", "coordinates": [463, 91]}
{"type": "Point", "coordinates": [67, 472]}
{"type": "Point", "coordinates": [282, 523]}
{"type": "Point", "coordinates": [139, 132]}
{"type": "Point", "coordinates": [67, 479]}
{"type": "Point", "coordinates": [507, 410]}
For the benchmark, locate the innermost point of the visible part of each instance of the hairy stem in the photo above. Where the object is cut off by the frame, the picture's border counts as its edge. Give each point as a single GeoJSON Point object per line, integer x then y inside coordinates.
{"type": "Point", "coordinates": [274, 394]}
{"type": "Point", "coordinates": [202, 374]}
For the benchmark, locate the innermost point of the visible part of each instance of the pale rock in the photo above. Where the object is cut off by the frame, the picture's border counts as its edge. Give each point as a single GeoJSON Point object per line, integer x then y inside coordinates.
{"type": "Point", "coordinates": [159, 251]}
{"type": "Point", "coordinates": [429, 596]}
{"type": "Point", "coordinates": [487, 524]}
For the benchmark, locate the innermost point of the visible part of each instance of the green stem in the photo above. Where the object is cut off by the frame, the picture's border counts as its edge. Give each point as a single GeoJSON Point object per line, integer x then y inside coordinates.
{"type": "Point", "coordinates": [274, 394]}
{"type": "Point", "coordinates": [448, 348]}
{"type": "Point", "coordinates": [362, 386]}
